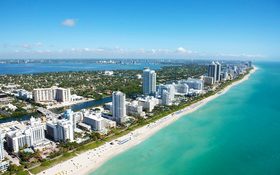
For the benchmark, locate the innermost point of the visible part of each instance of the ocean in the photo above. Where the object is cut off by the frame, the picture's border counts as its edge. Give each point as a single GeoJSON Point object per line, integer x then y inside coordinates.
{"type": "Point", "coordinates": [238, 133]}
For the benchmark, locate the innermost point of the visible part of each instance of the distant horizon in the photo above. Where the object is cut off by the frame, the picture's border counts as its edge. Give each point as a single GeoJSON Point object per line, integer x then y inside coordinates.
{"type": "Point", "coordinates": [129, 58]}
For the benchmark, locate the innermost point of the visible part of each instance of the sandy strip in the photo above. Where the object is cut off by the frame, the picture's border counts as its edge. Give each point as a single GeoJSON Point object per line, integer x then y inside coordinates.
{"type": "Point", "coordinates": [90, 160]}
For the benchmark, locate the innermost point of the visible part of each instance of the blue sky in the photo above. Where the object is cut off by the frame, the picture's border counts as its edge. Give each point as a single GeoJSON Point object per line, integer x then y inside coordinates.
{"type": "Point", "coordinates": [140, 29]}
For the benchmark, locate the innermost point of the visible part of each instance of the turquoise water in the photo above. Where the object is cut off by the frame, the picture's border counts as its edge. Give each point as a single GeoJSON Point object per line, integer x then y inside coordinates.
{"type": "Point", "coordinates": [235, 134]}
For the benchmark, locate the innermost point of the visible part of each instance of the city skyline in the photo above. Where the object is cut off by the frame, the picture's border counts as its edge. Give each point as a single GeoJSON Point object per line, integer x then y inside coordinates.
{"type": "Point", "coordinates": [142, 29]}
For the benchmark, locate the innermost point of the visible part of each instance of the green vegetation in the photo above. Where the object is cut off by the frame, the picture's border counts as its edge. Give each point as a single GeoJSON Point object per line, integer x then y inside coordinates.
{"type": "Point", "coordinates": [15, 170]}
{"type": "Point", "coordinates": [94, 84]}
{"type": "Point", "coordinates": [69, 150]}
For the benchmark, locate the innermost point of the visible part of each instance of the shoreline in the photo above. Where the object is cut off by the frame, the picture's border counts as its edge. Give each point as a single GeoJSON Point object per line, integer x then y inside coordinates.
{"type": "Point", "coordinates": [87, 162]}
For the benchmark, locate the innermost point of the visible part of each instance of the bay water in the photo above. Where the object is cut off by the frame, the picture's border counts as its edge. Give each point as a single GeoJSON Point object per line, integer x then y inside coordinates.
{"type": "Point", "coordinates": [238, 133]}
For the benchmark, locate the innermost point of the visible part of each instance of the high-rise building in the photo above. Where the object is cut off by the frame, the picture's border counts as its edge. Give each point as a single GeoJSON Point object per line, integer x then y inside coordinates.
{"type": "Point", "coordinates": [69, 115]}
{"type": "Point", "coordinates": [3, 164]}
{"type": "Point", "coordinates": [149, 82]}
{"type": "Point", "coordinates": [65, 130]}
{"type": "Point", "coordinates": [119, 108]}
{"type": "Point", "coordinates": [37, 131]}
{"type": "Point", "coordinates": [51, 94]}
{"type": "Point", "coordinates": [219, 71]}
{"type": "Point", "coordinates": [32, 135]}
{"type": "Point", "coordinates": [1, 147]}
{"type": "Point", "coordinates": [215, 70]}
{"type": "Point", "coordinates": [60, 130]}
{"type": "Point", "coordinates": [212, 71]}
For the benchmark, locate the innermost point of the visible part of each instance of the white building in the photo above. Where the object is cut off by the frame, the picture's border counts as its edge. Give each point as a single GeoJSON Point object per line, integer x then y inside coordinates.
{"type": "Point", "coordinates": [149, 82]}
{"type": "Point", "coordinates": [1, 147]}
{"type": "Point", "coordinates": [166, 98]}
{"type": "Point", "coordinates": [148, 103]}
{"type": "Point", "coordinates": [37, 129]}
{"type": "Point", "coordinates": [69, 115]}
{"type": "Point", "coordinates": [195, 84]}
{"type": "Point", "coordinates": [3, 164]}
{"type": "Point", "coordinates": [134, 109]}
{"type": "Point", "coordinates": [24, 94]}
{"type": "Point", "coordinates": [119, 108]}
{"type": "Point", "coordinates": [219, 71]}
{"type": "Point", "coordinates": [51, 94]}
{"type": "Point", "coordinates": [109, 73]}
{"type": "Point", "coordinates": [60, 130]}
{"type": "Point", "coordinates": [181, 88]}
{"type": "Point", "coordinates": [97, 122]}
{"type": "Point", "coordinates": [32, 135]}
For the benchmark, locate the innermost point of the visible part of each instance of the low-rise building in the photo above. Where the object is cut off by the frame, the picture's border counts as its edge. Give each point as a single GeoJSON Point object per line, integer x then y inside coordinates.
{"type": "Point", "coordinates": [148, 103]}
{"type": "Point", "coordinates": [134, 109]}
{"type": "Point", "coordinates": [208, 80]}
{"type": "Point", "coordinates": [97, 122]}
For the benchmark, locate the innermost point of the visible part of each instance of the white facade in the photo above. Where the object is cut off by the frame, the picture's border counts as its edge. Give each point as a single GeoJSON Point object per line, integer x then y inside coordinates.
{"type": "Point", "coordinates": [61, 130]}
{"type": "Point", "coordinates": [51, 94]}
{"type": "Point", "coordinates": [65, 130]}
{"type": "Point", "coordinates": [149, 82]}
{"type": "Point", "coordinates": [95, 121]}
{"type": "Point", "coordinates": [195, 84]}
{"type": "Point", "coordinates": [24, 94]}
{"type": "Point", "coordinates": [30, 136]}
{"type": "Point", "coordinates": [119, 108]}
{"type": "Point", "coordinates": [219, 71]}
{"type": "Point", "coordinates": [1, 147]}
{"type": "Point", "coordinates": [133, 108]}
{"type": "Point", "coordinates": [182, 88]}
{"type": "Point", "coordinates": [148, 103]}
{"type": "Point", "coordinates": [166, 98]}
{"type": "Point", "coordinates": [37, 130]}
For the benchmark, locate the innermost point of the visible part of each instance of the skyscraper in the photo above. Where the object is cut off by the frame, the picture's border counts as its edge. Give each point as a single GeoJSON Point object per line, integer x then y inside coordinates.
{"type": "Point", "coordinates": [1, 147]}
{"type": "Point", "coordinates": [218, 74]}
{"type": "Point", "coordinates": [119, 110]}
{"type": "Point", "coordinates": [149, 82]}
{"type": "Point", "coordinates": [212, 71]}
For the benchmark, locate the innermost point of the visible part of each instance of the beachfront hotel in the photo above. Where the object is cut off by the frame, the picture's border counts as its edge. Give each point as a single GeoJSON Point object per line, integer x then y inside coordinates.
{"type": "Point", "coordinates": [30, 135]}
{"type": "Point", "coordinates": [118, 106]}
{"type": "Point", "coordinates": [60, 130]}
{"type": "Point", "coordinates": [149, 82]}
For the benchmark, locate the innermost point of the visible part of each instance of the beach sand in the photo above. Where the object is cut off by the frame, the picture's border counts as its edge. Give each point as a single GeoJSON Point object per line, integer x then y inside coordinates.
{"type": "Point", "coordinates": [90, 160]}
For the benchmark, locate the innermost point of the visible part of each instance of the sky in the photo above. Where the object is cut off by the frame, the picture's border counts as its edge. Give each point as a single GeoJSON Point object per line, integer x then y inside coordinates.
{"type": "Point", "coordinates": [224, 29]}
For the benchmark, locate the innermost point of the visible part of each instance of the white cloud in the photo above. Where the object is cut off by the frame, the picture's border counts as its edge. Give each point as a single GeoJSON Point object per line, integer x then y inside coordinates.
{"type": "Point", "coordinates": [26, 46]}
{"type": "Point", "coordinates": [69, 22]}
{"type": "Point", "coordinates": [183, 50]}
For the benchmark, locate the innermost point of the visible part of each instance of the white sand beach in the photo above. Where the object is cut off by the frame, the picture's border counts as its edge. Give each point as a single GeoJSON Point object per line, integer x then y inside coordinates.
{"type": "Point", "coordinates": [89, 161]}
